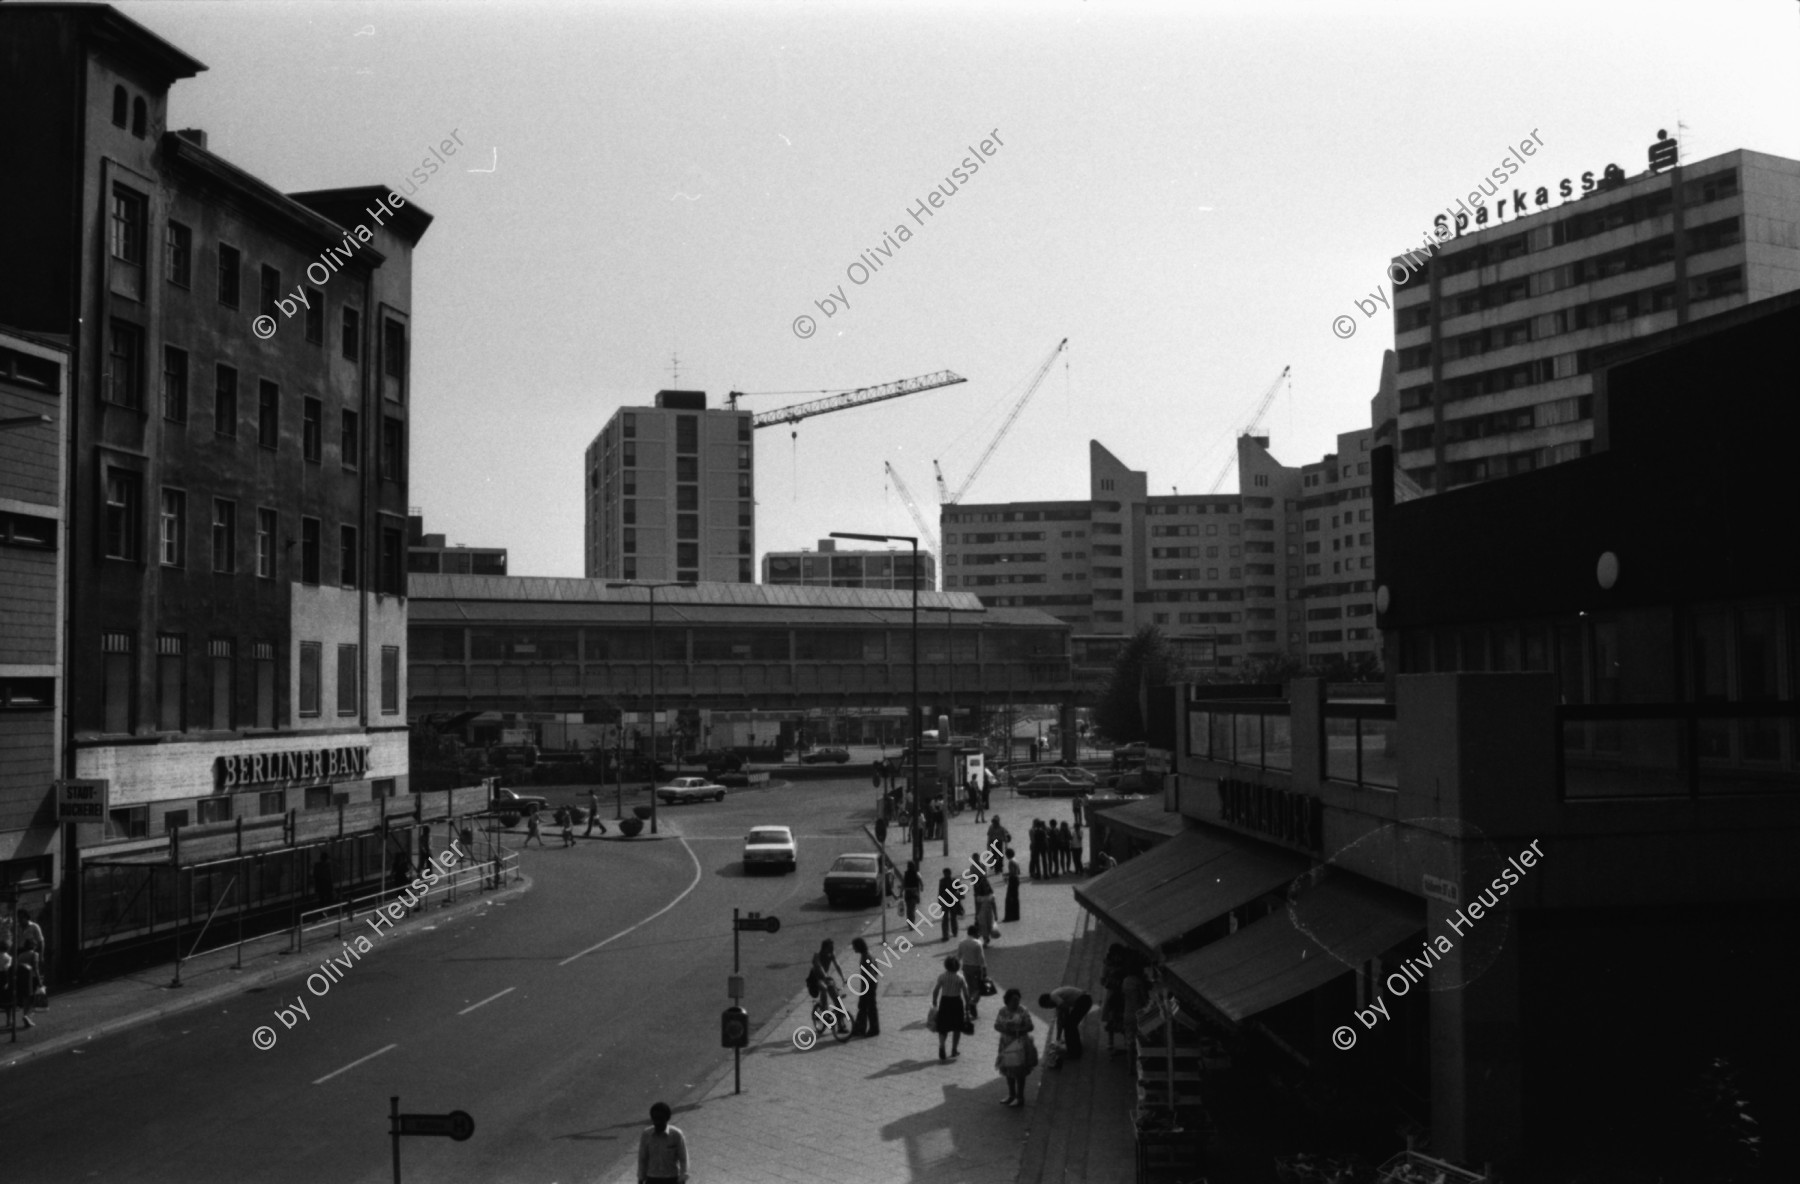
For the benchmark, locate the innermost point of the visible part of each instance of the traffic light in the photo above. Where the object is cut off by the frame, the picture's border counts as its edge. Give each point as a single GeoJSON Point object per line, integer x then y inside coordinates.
{"type": "Point", "coordinates": [734, 1028]}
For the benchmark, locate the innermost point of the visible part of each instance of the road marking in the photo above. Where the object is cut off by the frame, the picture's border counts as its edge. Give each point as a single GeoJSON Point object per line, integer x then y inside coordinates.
{"type": "Point", "coordinates": [489, 999]}
{"type": "Point", "coordinates": [653, 916]}
{"type": "Point", "coordinates": [354, 1064]}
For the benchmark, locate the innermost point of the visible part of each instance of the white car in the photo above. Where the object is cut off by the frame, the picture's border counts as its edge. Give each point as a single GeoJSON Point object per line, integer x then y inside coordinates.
{"type": "Point", "coordinates": [770, 846]}
{"type": "Point", "coordinates": [690, 789]}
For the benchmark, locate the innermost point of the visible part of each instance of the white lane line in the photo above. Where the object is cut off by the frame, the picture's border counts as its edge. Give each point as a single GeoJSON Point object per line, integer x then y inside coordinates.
{"type": "Point", "coordinates": [354, 1064]}
{"type": "Point", "coordinates": [489, 999]}
{"type": "Point", "coordinates": [653, 916]}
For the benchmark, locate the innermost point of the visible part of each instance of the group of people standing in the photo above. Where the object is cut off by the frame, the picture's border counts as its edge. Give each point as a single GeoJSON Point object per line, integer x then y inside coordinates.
{"type": "Point", "coordinates": [1055, 848]}
{"type": "Point", "coordinates": [22, 983]}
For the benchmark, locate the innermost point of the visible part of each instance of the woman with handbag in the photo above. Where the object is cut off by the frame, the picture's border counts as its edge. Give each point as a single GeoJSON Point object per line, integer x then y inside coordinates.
{"type": "Point", "coordinates": [949, 1008]}
{"type": "Point", "coordinates": [1018, 1052]}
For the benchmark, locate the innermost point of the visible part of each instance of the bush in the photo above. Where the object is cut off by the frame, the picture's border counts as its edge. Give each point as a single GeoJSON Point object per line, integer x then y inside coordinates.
{"type": "Point", "coordinates": [642, 812]}
{"type": "Point", "coordinates": [631, 827]}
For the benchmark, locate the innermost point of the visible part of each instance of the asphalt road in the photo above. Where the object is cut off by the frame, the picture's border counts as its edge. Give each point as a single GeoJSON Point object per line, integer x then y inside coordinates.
{"type": "Point", "coordinates": [555, 1020]}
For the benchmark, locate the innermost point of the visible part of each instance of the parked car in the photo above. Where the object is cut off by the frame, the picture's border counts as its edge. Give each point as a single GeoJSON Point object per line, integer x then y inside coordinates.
{"type": "Point", "coordinates": [821, 755]}
{"type": "Point", "coordinates": [716, 761]}
{"type": "Point", "coordinates": [690, 789]}
{"type": "Point", "coordinates": [1132, 782]}
{"type": "Point", "coordinates": [1131, 752]}
{"type": "Point", "coordinates": [1047, 784]}
{"type": "Point", "coordinates": [510, 805]}
{"type": "Point", "coordinates": [855, 877]}
{"type": "Point", "coordinates": [770, 847]}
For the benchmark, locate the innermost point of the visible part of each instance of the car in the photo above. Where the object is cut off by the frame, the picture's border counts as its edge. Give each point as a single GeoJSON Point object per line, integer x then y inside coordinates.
{"type": "Point", "coordinates": [511, 805]}
{"type": "Point", "coordinates": [716, 761]}
{"type": "Point", "coordinates": [821, 755]}
{"type": "Point", "coordinates": [1131, 752]}
{"type": "Point", "coordinates": [1053, 785]}
{"type": "Point", "coordinates": [770, 846]}
{"type": "Point", "coordinates": [1132, 782]}
{"type": "Point", "coordinates": [690, 789]}
{"type": "Point", "coordinates": [855, 876]}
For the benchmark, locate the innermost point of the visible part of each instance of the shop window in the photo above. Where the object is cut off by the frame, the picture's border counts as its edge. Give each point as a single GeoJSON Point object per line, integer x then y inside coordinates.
{"type": "Point", "coordinates": [272, 801]}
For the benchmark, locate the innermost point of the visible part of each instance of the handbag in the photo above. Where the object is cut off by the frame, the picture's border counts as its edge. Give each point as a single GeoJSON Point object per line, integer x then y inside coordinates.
{"type": "Point", "coordinates": [968, 1027]}
{"type": "Point", "coordinates": [931, 1019]}
{"type": "Point", "coordinates": [988, 988]}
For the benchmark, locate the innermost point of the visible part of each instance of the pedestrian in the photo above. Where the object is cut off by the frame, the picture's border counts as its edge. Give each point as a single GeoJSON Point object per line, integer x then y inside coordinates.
{"type": "Point", "coordinates": [882, 808]}
{"type": "Point", "coordinates": [1080, 851]}
{"type": "Point", "coordinates": [1059, 849]}
{"type": "Point", "coordinates": [985, 911]}
{"type": "Point", "coordinates": [1036, 838]}
{"type": "Point", "coordinates": [868, 1018]}
{"type": "Point", "coordinates": [1066, 841]}
{"type": "Point", "coordinates": [973, 960]}
{"type": "Point", "coordinates": [322, 884]}
{"type": "Point", "coordinates": [1012, 886]}
{"type": "Point", "coordinates": [998, 837]}
{"type": "Point", "coordinates": [1018, 1055]}
{"type": "Point", "coordinates": [918, 837]}
{"type": "Point", "coordinates": [662, 1150]}
{"type": "Point", "coordinates": [949, 1007]}
{"type": "Point", "coordinates": [950, 900]}
{"type": "Point", "coordinates": [940, 819]}
{"type": "Point", "coordinates": [424, 845]}
{"type": "Point", "coordinates": [30, 976]}
{"type": "Point", "coordinates": [568, 826]}
{"type": "Point", "coordinates": [531, 831]}
{"type": "Point", "coordinates": [912, 886]}
{"type": "Point", "coordinates": [1071, 1005]}
{"type": "Point", "coordinates": [978, 799]}
{"type": "Point", "coordinates": [593, 815]}
{"type": "Point", "coordinates": [7, 976]}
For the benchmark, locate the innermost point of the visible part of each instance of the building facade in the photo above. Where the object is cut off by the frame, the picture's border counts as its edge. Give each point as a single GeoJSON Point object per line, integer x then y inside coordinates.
{"type": "Point", "coordinates": [828, 567]}
{"type": "Point", "coordinates": [236, 526]}
{"type": "Point", "coordinates": [429, 554]}
{"type": "Point", "coordinates": [671, 494]}
{"type": "Point", "coordinates": [1495, 335]}
{"type": "Point", "coordinates": [1282, 568]}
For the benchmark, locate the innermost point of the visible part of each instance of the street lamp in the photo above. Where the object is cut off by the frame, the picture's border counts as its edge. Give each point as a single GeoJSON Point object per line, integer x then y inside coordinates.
{"type": "Point", "coordinates": [651, 589]}
{"type": "Point", "coordinates": [918, 738]}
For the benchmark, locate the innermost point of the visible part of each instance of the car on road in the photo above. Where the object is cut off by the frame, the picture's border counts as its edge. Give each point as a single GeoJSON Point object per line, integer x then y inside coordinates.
{"type": "Point", "coordinates": [1047, 784]}
{"type": "Point", "coordinates": [690, 789]}
{"type": "Point", "coordinates": [857, 876]}
{"type": "Point", "coordinates": [716, 761]}
{"type": "Point", "coordinates": [510, 805]}
{"type": "Point", "coordinates": [770, 847]}
{"type": "Point", "coordinates": [821, 755]}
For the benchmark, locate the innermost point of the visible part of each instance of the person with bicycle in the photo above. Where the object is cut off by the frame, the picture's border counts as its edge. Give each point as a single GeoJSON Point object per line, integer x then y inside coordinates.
{"type": "Point", "coordinates": [824, 987]}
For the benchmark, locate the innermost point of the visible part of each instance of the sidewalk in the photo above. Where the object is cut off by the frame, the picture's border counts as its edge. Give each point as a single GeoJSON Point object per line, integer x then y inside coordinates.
{"type": "Point", "coordinates": [885, 1109]}
{"type": "Point", "coordinates": [82, 1013]}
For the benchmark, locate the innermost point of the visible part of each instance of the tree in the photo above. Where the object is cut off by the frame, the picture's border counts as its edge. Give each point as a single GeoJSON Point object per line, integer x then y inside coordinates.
{"type": "Point", "coordinates": [1145, 662]}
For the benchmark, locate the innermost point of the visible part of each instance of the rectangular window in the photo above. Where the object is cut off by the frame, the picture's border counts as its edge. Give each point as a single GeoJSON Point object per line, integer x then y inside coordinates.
{"type": "Point", "coordinates": [264, 656]}
{"type": "Point", "coordinates": [744, 485]}
{"type": "Point", "coordinates": [390, 680]}
{"type": "Point", "coordinates": [174, 527]}
{"type": "Point", "coordinates": [312, 430]}
{"type": "Point", "coordinates": [687, 497]}
{"type": "Point", "coordinates": [271, 290]}
{"type": "Point", "coordinates": [128, 208]}
{"type": "Point", "coordinates": [687, 526]}
{"type": "Point", "coordinates": [628, 540]}
{"type": "Point", "coordinates": [628, 424]}
{"type": "Point", "coordinates": [347, 555]}
{"type": "Point", "coordinates": [174, 384]}
{"type": "Point", "coordinates": [352, 334]}
{"type": "Point", "coordinates": [125, 350]}
{"type": "Point", "coordinates": [393, 350]}
{"type": "Point", "coordinates": [687, 434]}
{"type": "Point", "coordinates": [124, 514]}
{"type": "Point", "coordinates": [310, 654]}
{"type": "Point", "coordinates": [272, 801]}
{"type": "Point", "coordinates": [265, 544]}
{"type": "Point", "coordinates": [687, 468]}
{"type": "Point", "coordinates": [746, 516]}
{"type": "Point", "coordinates": [315, 316]}
{"type": "Point", "coordinates": [743, 456]}
{"type": "Point", "coordinates": [229, 270]}
{"type": "Point", "coordinates": [116, 690]}
{"type": "Point", "coordinates": [225, 402]}
{"type": "Point", "coordinates": [628, 455]}
{"type": "Point", "coordinates": [268, 415]}
{"type": "Point", "coordinates": [224, 536]}
{"type": "Point", "coordinates": [178, 255]}
{"type": "Point", "coordinates": [350, 440]}
{"type": "Point", "coordinates": [309, 550]}
{"type": "Point", "coordinates": [393, 448]}
{"type": "Point", "coordinates": [687, 555]}
{"type": "Point", "coordinates": [349, 679]}
{"type": "Point", "coordinates": [393, 562]}
{"type": "Point", "coordinates": [168, 684]}
{"type": "Point", "coordinates": [219, 661]}
{"type": "Point", "coordinates": [212, 810]}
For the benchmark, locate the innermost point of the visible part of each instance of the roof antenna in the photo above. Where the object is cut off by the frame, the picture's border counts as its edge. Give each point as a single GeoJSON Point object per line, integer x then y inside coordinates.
{"type": "Point", "coordinates": [674, 370]}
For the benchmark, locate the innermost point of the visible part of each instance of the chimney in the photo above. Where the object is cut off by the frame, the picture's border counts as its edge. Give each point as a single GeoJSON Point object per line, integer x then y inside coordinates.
{"type": "Point", "coordinates": [827, 544]}
{"type": "Point", "coordinates": [193, 135]}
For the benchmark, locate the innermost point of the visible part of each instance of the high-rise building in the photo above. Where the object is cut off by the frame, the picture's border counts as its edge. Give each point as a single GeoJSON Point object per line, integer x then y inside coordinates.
{"type": "Point", "coordinates": [671, 494]}
{"type": "Point", "coordinates": [1283, 568]}
{"type": "Point", "coordinates": [238, 397]}
{"type": "Point", "coordinates": [831, 567]}
{"type": "Point", "coordinates": [1495, 334]}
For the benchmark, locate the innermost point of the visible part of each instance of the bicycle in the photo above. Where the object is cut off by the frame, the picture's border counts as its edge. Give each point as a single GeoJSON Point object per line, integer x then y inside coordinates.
{"type": "Point", "coordinates": [827, 1016]}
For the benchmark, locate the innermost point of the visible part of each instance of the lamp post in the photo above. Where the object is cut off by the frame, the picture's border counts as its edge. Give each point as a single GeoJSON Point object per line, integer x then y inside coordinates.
{"type": "Point", "coordinates": [651, 589]}
{"type": "Point", "coordinates": [918, 738]}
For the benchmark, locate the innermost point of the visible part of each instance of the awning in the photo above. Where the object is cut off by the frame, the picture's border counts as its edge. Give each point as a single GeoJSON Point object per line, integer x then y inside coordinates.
{"type": "Point", "coordinates": [1147, 819]}
{"type": "Point", "coordinates": [1326, 929]}
{"type": "Point", "coordinates": [1177, 887]}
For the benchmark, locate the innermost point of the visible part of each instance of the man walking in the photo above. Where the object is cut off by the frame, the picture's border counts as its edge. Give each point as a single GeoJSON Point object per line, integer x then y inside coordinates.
{"type": "Point", "coordinates": [662, 1150]}
{"type": "Point", "coordinates": [593, 815]}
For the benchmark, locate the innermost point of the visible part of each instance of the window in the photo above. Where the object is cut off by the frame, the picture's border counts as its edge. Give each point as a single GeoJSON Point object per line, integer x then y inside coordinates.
{"type": "Point", "coordinates": [271, 290]}
{"type": "Point", "coordinates": [212, 810]}
{"type": "Point", "coordinates": [746, 516]}
{"type": "Point", "coordinates": [28, 531]}
{"type": "Point", "coordinates": [687, 434]}
{"type": "Point", "coordinates": [687, 468]}
{"type": "Point", "coordinates": [272, 801]}
{"type": "Point", "coordinates": [687, 526]}
{"type": "Point", "coordinates": [743, 429]}
{"type": "Point", "coordinates": [390, 680]}
{"type": "Point", "coordinates": [687, 497]}
{"type": "Point", "coordinates": [315, 316]}
{"type": "Point", "coordinates": [168, 684]}
{"type": "Point", "coordinates": [383, 787]}
{"type": "Point", "coordinates": [268, 415]}
{"type": "Point", "coordinates": [263, 655]}
{"type": "Point", "coordinates": [116, 688]}
{"type": "Point", "coordinates": [174, 384]}
{"type": "Point", "coordinates": [392, 574]}
{"type": "Point", "coordinates": [744, 547]}
{"type": "Point", "coordinates": [265, 544]}
{"type": "Point", "coordinates": [628, 424]}
{"type": "Point", "coordinates": [744, 485]}
{"type": "Point", "coordinates": [309, 550]}
{"type": "Point", "coordinates": [393, 350]}
{"type": "Point", "coordinates": [347, 555]}
{"type": "Point", "coordinates": [224, 535]}
{"type": "Point", "coordinates": [628, 511]}
{"type": "Point", "coordinates": [628, 540]}
{"type": "Point", "coordinates": [352, 334]}
{"type": "Point", "coordinates": [393, 448]}
{"type": "Point", "coordinates": [349, 679]}
{"type": "Point", "coordinates": [124, 514]}
{"type": "Point", "coordinates": [173, 547]}
{"type": "Point", "coordinates": [225, 403]}
{"type": "Point", "coordinates": [126, 378]}
{"type": "Point", "coordinates": [687, 555]}
{"type": "Point", "coordinates": [309, 678]}
{"type": "Point", "coordinates": [629, 569]}
{"type": "Point", "coordinates": [218, 660]}
{"type": "Point", "coordinates": [350, 440]}
{"type": "Point", "coordinates": [228, 276]}
{"type": "Point", "coordinates": [743, 456]}
{"type": "Point", "coordinates": [312, 430]}
{"type": "Point", "coordinates": [178, 255]}
{"type": "Point", "coordinates": [628, 455]}
{"type": "Point", "coordinates": [128, 207]}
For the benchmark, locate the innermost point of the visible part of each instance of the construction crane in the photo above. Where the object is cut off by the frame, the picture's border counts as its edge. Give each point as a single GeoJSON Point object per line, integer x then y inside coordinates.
{"type": "Point", "coordinates": [1262, 409]}
{"type": "Point", "coordinates": [927, 538]}
{"type": "Point", "coordinates": [844, 400]}
{"type": "Point", "coordinates": [1037, 379]}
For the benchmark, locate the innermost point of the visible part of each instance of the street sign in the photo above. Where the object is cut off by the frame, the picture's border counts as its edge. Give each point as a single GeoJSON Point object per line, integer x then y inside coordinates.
{"type": "Point", "coordinates": [757, 923]}
{"type": "Point", "coordinates": [81, 801]}
{"type": "Point", "coordinates": [1439, 888]}
{"type": "Point", "coordinates": [457, 1124]}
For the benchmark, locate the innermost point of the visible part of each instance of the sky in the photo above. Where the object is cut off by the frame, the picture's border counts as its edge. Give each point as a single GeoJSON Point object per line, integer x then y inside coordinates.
{"type": "Point", "coordinates": [1190, 193]}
